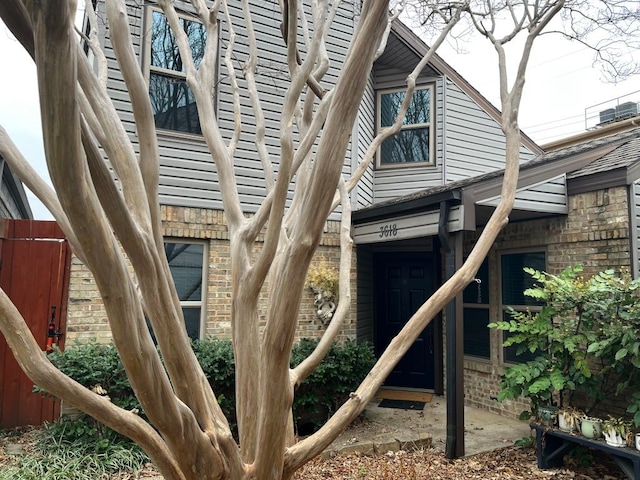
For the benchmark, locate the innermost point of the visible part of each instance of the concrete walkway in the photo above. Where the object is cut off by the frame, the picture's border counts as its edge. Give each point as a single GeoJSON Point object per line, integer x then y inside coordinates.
{"type": "Point", "coordinates": [392, 429]}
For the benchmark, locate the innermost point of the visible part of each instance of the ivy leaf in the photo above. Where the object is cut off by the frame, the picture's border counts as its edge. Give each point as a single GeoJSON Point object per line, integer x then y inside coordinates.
{"type": "Point", "coordinates": [620, 354]}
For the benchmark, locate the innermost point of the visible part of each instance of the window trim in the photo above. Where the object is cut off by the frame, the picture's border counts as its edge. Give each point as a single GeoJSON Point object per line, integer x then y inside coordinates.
{"type": "Point", "coordinates": [431, 125]}
{"type": "Point", "coordinates": [148, 69]}
{"type": "Point", "coordinates": [501, 305]}
{"type": "Point", "coordinates": [205, 277]}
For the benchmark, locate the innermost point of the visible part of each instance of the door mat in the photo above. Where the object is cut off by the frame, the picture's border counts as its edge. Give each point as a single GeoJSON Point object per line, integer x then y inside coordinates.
{"type": "Point", "coordinates": [410, 395]}
{"type": "Point", "coordinates": [402, 404]}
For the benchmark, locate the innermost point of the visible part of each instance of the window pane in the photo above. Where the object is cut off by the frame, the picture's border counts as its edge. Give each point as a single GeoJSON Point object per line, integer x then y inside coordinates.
{"type": "Point", "coordinates": [514, 279]}
{"type": "Point", "coordinates": [407, 146]}
{"type": "Point", "coordinates": [478, 292]}
{"type": "Point", "coordinates": [477, 341]}
{"type": "Point", "coordinates": [185, 262]}
{"type": "Point", "coordinates": [510, 354]}
{"type": "Point", "coordinates": [164, 48]}
{"type": "Point", "coordinates": [419, 110]}
{"type": "Point", "coordinates": [173, 104]}
{"type": "Point", "coordinates": [192, 321]}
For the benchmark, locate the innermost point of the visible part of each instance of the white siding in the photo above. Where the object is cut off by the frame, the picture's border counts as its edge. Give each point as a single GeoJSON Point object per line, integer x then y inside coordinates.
{"type": "Point", "coordinates": [188, 174]}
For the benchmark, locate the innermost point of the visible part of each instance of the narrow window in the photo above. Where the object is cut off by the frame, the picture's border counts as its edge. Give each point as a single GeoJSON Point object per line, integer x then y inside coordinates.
{"type": "Point", "coordinates": [186, 261]}
{"type": "Point", "coordinates": [514, 282]}
{"type": "Point", "coordinates": [477, 335]}
{"type": "Point", "coordinates": [413, 144]}
{"type": "Point", "coordinates": [172, 101]}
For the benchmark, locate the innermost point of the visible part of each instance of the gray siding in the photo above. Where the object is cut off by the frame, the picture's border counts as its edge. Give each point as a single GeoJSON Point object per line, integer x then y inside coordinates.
{"type": "Point", "coordinates": [365, 317]}
{"type": "Point", "coordinates": [548, 197]}
{"type": "Point", "coordinates": [365, 131]}
{"type": "Point", "coordinates": [188, 174]}
{"type": "Point", "coordinates": [475, 141]}
{"type": "Point", "coordinates": [392, 183]}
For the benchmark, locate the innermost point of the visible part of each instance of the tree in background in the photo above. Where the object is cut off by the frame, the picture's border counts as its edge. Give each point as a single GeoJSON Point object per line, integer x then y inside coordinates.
{"type": "Point", "coordinates": [105, 219]}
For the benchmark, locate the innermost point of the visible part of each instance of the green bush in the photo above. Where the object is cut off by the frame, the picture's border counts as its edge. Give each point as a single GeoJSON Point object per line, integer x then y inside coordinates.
{"type": "Point", "coordinates": [342, 370]}
{"type": "Point", "coordinates": [586, 340]}
{"type": "Point", "coordinates": [329, 386]}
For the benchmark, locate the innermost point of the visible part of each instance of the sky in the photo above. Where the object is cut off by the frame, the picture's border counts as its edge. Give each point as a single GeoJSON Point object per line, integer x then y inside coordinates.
{"type": "Point", "coordinates": [562, 86]}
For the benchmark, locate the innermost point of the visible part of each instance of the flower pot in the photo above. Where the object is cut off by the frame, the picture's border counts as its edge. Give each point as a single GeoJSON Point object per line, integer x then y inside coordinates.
{"type": "Point", "coordinates": [637, 441]}
{"type": "Point", "coordinates": [591, 427]}
{"type": "Point", "coordinates": [564, 423]}
{"type": "Point", "coordinates": [547, 415]}
{"type": "Point", "coordinates": [614, 439]}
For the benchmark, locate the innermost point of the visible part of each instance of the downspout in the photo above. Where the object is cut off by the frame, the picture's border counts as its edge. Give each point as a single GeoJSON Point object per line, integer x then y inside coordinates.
{"type": "Point", "coordinates": [444, 130]}
{"type": "Point", "coordinates": [634, 261]}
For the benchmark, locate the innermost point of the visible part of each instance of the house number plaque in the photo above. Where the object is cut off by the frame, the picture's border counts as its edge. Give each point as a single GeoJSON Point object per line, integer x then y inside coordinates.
{"type": "Point", "coordinates": [388, 230]}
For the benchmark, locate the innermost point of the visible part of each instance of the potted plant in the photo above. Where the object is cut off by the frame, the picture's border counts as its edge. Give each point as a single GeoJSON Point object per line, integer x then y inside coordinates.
{"type": "Point", "coordinates": [617, 431]}
{"type": "Point", "coordinates": [569, 419]}
{"type": "Point", "coordinates": [591, 427]}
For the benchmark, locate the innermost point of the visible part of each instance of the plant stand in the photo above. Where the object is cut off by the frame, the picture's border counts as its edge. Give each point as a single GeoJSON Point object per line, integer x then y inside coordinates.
{"type": "Point", "coordinates": [553, 445]}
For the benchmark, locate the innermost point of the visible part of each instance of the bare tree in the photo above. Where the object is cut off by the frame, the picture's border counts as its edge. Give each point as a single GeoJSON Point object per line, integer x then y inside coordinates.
{"type": "Point", "coordinates": [188, 436]}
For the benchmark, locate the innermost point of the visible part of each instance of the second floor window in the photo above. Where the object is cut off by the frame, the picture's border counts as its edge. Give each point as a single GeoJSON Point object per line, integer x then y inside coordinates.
{"type": "Point", "coordinates": [413, 144]}
{"type": "Point", "coordinates": [172, 101]}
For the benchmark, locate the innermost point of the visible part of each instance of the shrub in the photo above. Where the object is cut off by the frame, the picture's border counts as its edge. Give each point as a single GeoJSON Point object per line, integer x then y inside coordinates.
{"type": "Point", "coordinates": [329, 386]}
{"type": "Point", "coordinates": [585, 339]}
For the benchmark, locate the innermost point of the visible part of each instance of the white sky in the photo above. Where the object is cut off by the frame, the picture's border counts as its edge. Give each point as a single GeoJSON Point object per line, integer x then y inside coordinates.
{"type": "Point", "coordinates": [561, 84]}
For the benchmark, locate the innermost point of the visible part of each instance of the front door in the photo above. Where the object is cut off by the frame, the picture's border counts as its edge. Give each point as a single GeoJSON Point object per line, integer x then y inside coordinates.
{"type": "Point", "coordinates": [403, 283]}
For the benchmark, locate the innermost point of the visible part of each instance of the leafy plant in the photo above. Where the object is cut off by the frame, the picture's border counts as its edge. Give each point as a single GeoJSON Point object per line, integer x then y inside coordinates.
{"type": "Point", "coordinates": [619, 425]}
{"type": "Point", "coordinates": [76, 450]}
{"type": "Point", "coordinates": [586, 338]}
{"type": "Point", "coordinates": [344, 367]}
{"type": "Point", "coordinates": [324, 277]}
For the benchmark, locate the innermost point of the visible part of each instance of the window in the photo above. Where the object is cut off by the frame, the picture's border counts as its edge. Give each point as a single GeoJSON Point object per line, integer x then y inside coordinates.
{"type": "Point", "coordinates": [514, 282]}
{"type": "Point", "coordinates": [186, 261]}
{"type": "Point", "coordinates": [413, 144]}
{"type": "Point", "coordinates": [172, 101]}
{"type": "Point", "coordinates": [477, 336]}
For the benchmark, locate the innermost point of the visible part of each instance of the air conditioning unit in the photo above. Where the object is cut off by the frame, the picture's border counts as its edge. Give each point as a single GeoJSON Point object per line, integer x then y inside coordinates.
{"type": "Point", "coordinates": [608, 115]}
{"type": "Point", "coordinates": [626, 110]}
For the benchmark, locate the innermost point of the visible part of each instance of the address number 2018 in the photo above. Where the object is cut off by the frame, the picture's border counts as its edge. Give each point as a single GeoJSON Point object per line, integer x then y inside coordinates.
{"type": "Point", "coordinates": [389, 230]}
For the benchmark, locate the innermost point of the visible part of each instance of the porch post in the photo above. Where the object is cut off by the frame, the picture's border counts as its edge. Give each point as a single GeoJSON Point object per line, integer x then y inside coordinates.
{"type": "Point", "coordinates": [454, 356]}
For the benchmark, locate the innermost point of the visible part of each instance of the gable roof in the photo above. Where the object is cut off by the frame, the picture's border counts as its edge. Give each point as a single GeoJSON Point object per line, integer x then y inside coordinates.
{"type": "Point", "coordinates": [417, 47]}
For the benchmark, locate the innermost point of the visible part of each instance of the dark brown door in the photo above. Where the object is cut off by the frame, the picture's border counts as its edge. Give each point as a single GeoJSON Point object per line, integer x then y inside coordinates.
{"type": "Point", "coordinates": [404, 282]}
{"type": "Point", "coordinates": [34, 273]}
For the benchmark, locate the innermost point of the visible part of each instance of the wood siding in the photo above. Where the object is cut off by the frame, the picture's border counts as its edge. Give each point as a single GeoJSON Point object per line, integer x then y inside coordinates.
{"type": "Point", "coordinates": [548, 197]}
{"type": "Point", "coordinates": [188, 175]}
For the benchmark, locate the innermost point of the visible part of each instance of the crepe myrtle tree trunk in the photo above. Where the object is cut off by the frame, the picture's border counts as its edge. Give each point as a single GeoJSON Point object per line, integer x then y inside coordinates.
{"type": "Point", "coordinates": [105, 197]}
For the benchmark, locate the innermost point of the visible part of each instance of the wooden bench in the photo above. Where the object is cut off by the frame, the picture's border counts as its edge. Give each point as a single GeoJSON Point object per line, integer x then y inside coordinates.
{"type": "Point", "coordinates": [554, 444]}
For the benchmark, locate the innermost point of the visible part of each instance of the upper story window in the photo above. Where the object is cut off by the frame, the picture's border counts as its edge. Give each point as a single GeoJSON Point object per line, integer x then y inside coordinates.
{"type": "Point", "coordinates": [172, 101]}
{"type": "Point", "coordinates": [413, 144]}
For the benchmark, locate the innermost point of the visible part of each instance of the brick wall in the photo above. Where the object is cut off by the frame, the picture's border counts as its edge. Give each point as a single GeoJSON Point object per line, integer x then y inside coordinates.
{"type": "Point", "coordinates": [595, 233]}
{"type": "Point", "coordinates": [87, 318]}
